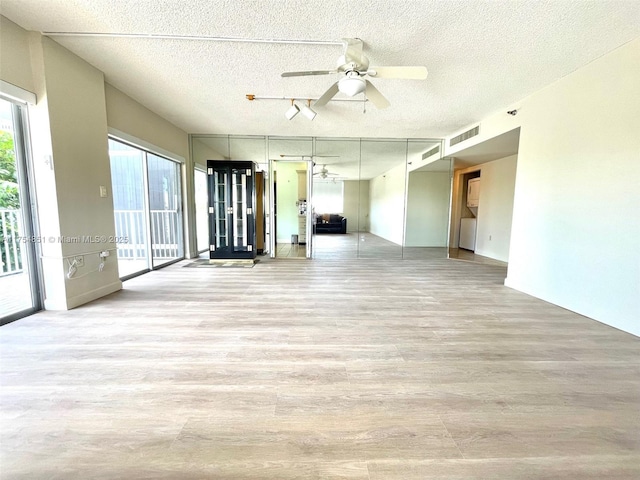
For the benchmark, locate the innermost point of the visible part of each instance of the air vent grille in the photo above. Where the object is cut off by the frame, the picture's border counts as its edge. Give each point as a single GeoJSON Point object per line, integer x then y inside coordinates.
{"type": "Point", "coordinates": [465, 136]}
{"type": "Point", "coordinates": [431, 152]}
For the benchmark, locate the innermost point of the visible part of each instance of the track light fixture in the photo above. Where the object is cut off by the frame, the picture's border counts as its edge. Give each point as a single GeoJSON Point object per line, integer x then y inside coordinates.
{"type": "Point", "coordinates": [292, 111]}
{"type": "Point", "coordinates": [307, 111]}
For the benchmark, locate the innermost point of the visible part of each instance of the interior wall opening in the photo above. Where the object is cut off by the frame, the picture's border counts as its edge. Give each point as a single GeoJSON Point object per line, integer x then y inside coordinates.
{"type": "Point", "coordinates": [483, 195]}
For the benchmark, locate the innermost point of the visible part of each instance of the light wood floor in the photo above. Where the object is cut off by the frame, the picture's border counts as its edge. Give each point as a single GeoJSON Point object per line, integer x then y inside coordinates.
{"type": "Point", "coordinates": [323, 369]}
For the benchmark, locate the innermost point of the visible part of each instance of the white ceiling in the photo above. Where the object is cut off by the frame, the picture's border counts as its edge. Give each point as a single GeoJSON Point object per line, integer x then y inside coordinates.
{"type": "Point", "coordinates": [482, 56]}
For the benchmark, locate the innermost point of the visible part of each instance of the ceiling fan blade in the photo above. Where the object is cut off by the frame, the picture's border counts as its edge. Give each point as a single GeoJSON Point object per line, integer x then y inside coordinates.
{"type": "Point", "coordinates": [375, 96]}
{"type": "Point", "coordinates": [326, 96]}
{"type": "Point", "coordinates": [408, 73]}
{"type": "Point", "coordinates": [353, 50]}
{"type": "Point", "coordinates": [308, 72]}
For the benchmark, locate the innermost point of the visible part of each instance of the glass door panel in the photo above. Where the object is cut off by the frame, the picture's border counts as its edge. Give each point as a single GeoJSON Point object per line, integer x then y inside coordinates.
{"type": "Point", "coordinates": [220, 209]}
{"type": "Point", "coordinates": [17, 244]}
{"type": "Point", "coordinates": [165, 210]}
{"type": "Point", "coordinates": [239, 200]}
{"type": "Point", "coordinates": [130, 208]}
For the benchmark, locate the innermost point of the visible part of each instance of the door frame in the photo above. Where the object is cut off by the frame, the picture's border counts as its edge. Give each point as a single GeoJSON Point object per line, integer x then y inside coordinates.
{"type": "Point", "coordinates": [308, 159]}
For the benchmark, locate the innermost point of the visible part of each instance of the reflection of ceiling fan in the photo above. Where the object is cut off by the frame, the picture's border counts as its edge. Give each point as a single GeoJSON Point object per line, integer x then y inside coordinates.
{"type": "Point", "coordinates": [324, 173]}
{"type": "Point", "coordinates": [352, 67]}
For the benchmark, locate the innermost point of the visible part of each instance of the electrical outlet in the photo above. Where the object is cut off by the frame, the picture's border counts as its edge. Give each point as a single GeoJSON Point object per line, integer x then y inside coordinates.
{"type": "Point", "coordinates": [489, 237]}
{"type": "Point", "coordinates": [79, 261]}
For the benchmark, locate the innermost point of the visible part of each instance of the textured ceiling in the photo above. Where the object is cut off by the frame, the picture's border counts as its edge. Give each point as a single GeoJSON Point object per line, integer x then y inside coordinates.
{"type": "Point", "coordinates": [482, 56]}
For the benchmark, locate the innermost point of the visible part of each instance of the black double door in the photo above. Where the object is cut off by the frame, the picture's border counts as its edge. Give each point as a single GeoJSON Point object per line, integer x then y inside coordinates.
{"type": "Point", "coordinates": [232, 220]}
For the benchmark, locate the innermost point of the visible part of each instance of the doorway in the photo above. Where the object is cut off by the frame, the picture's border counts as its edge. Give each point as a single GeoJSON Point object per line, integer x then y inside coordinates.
{"type": "Point", "coordinates": [483, 198]}
{"type": "Point", "coordinates": [19, 288]}
{"type": "Point", "coordinates": [291, 222]}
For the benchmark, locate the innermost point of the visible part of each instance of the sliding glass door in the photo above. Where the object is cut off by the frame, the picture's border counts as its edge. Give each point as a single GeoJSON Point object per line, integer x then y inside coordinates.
{"type": "Point", "coordinates": [147, 209]}
{"type": "Point", "coordinates": [130, 207]}
{"type": "Point", "coordinates": [18, 283]}
{"type": "Point", "coordinates": [165, 209]}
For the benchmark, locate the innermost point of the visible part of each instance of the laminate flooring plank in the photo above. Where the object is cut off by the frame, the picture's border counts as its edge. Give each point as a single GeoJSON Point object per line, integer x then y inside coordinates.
{"type": "Point", "coordinates": [336, 368]}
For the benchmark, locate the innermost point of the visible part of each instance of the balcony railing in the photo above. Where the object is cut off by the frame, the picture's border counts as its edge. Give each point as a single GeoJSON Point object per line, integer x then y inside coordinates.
{"type": "Point", "coordinates": [132, 226]}
{"type": "Point", "coordinates": [10, 244]}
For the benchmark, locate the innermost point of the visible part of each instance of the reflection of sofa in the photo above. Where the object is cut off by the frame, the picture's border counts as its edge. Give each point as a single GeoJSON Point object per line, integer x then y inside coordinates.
{"type": "Point", "coordinates": [330, 223]}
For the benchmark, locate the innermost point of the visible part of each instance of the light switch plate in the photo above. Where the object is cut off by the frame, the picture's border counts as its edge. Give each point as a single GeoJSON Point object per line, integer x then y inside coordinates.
{"type": "Point", "coordinates": [103, 191]}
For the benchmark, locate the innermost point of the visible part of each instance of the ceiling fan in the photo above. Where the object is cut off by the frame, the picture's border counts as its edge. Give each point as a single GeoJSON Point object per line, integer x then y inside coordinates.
{"type": "Point", "coordinates": [324, 173]}
{"type": "Point", "coordinates": [352, 67]}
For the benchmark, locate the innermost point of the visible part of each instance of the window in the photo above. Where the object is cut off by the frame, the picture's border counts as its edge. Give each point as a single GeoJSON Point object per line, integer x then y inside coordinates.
{"type": "Point", "coordinates": [147, 208]}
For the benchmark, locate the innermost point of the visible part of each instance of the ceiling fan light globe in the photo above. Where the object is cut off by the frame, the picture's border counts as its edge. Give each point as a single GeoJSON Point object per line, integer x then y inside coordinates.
{"type": "Point", "coordinates": [352, 85]}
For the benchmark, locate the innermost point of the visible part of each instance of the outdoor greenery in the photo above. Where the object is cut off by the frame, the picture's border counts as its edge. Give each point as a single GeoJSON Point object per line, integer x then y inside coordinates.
{"type": "Point", "coordinates": [9, 200]}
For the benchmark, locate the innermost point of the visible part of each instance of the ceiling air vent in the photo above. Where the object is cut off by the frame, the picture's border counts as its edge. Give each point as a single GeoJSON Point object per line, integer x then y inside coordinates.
{"type": "Point", "coordinates": [465, 136]}
{"type": "Point", "coordinates": [431, 152]}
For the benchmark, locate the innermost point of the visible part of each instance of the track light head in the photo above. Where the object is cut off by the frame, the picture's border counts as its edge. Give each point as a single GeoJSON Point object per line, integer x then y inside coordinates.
{"type": "Point", "coordinates": [292, 111]}
{"type": "Point", "coordinates": [307, 111]}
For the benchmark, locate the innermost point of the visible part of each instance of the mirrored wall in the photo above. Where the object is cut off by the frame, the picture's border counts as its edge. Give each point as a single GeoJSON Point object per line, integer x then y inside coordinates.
{"type": "Point", "coordinates": [337, 198]}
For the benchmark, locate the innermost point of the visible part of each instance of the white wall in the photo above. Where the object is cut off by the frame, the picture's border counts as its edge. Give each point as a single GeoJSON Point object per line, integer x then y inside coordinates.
{"type": "Point", "coordinates": [15, 56]}
{"type": "Point", "coordinates": [127, 115]}
{"type": "Point", "coordinates": [386, 196]}
{"type": "Point", "coordinates": [72, 92]}
{"type": "Point", "coordinates": [356, 205]}
{"type": "Point", "coordinates": [69, 125]}
{"type": "Point", "coordinates": [495, 210]}
{"type": "Point", "coordinates": [574, 238]}
{"type": "Point", "coordinates": [427, 209]}
{"type": "Point", "coordinates": [131, 121]}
